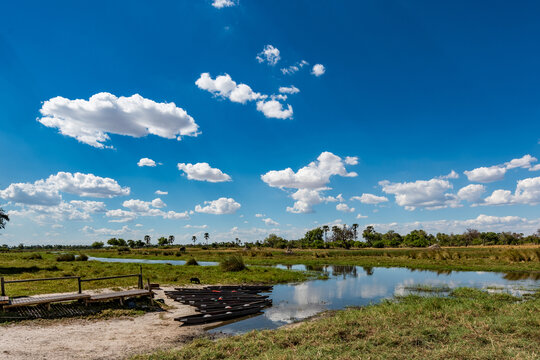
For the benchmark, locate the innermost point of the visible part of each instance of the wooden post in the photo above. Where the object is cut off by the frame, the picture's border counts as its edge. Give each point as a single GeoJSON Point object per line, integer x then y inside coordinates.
{"type": "Point", "coordinates": [2, 286]}
{"type": "Point", "coordinates": [80, 287]}
{"type": "Point", "coordinates": [140, 277]}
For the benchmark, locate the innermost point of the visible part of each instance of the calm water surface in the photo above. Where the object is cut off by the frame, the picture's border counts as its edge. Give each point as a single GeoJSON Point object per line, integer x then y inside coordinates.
{"type": "Point", "coordinates": [355, 286]}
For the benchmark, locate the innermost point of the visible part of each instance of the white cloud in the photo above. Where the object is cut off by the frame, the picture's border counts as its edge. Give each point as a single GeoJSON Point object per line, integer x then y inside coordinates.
{"type": "Point", "coordinates": [294, 68]}
{"type": "Point", "coordinates": [535, 167]}
{"type": "Point", "coordinates": [497, 172]}
{"type": "Point", "coordinates": [188, 226]}
{"type": "Point", "coordinates": [344, 207]}
{"type": "Point", "coordinates": [451, 175]}
{"type": "Point", "coordinates": [471, 193]}
{"type": "Point", "coordinates": [203, 172]}
{"type": "Point", "coordinates": [73, 210]}
{"type": "Point", "coordinates": [146, 162]}
{"type": "Point", "coordinates": [107, 232]}
{"type": "Point", "coordinates": [289, 90]}
{"type": "Point", "coordinates": [90, 121]}
{"type": "Point", "coordinates": [219, 207]}
{"type": "Point", "coordinates": [158, 203]}
{"type": "Point", "coordinates": [260, 215]}
{"type": "Point", "coordinates": [486, 174]}
{"type": "Point", "coordinates": [269, 221]}
{"type": "Point", "coordinates": [120, 215]}
{"type": "Point", "coordinates": [159, 192]}
{"type": "Point", "coordinates": [351, 160]}
{"type": "Point", "coordinates": [481, 222]}
{"type": "Point", "coordinates": [318, 70]}
{"type": "Point", "coordinates": [145, 208]}
{"type": "Point", "coordinates": [527, 192]}
{"type": "Point", "coordinates": [225, 87]}
{"type": "Point", "coordinates": [309, 181]}
{"type": "Point", "coordinates": [370, 199]}
{"type": "Point", "coordinates": [360, 216]}
{"type": "Point", "coordinates": [220, 4]}
{"type": "Point", "coordinates": [47, 192]}
{"type": "Point", "coordinates": [429, 194]}
{"type": "Point", "coordinates": [270, 55]}
{"type": "Point", "coordinates": [274, 109]}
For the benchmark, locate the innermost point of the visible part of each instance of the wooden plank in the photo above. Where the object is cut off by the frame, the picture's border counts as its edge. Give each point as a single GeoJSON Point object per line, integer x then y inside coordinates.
{"type": "Point", "coordinates": [45, 299]}
{"type": "Point", "coordinates": [120, 295]}
{"type": "Point", "coordinates": [4, 300]}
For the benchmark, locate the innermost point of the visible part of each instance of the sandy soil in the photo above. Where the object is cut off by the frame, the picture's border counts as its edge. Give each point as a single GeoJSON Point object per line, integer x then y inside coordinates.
{"type": "Point", "coordinates": [98, 339]}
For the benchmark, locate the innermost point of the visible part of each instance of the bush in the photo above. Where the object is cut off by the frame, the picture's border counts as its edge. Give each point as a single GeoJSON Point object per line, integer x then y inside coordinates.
{"type": "Point", "coordinates": [232, 263]}
{"type": "Point", "coordinates": [66, 257]}
{"type": "Point", "coordinates": [192, 262]}
{"type": "Point", "coordinates": [34, 256]}
{"type": "Point", "coordinates": [82, 257]}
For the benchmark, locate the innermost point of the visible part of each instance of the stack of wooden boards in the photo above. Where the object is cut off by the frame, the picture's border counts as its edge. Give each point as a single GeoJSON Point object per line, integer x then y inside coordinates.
{"type": "Point", "coordinates": [220, 303]}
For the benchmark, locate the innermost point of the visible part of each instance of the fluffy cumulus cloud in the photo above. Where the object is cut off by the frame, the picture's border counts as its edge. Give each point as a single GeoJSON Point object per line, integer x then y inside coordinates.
{"type": "Point", "coordinates": [270, 222]}
{"type": "Point", "coordinates": [225, 87]}
{"type": "Point", "coordinates": [220, 206]}
{"type": "Point", "coordinates": [63, 211]}
{"type": "Point", "coordinates": [146, 162]}
{"type": "Point", "coordinates": [107, 232]}
{"type": "Point", "coordinates": [318, 70]}
{"type": "Point", "coordinates": [203, 172]}
{"type": "Point", "coordinates": [269, 54]}
{"type": "Point", "coordinates": [48, 192]}
{"type": "Point", "coordinates": [220, 4]}
{"type": "Point", "coordinates": [91, 121]}
{"type": "Point", "coordinates": [471, 193]}
{"type": "Point", "coordinates": [274, 109]}
{"type": "Point", "coordinates": [344, 208]}
{"type": "Point", "coordinates": [370, 199]}
{"type": "Point", "coordinates": [451, 175]}
{"type": "Point", "coordinates": [527, 192]}
{"type": "Point", "coordinates": [294, 68]}
{"type": "Point", "coordinates": [289, 90]}
{"type": "Point", "coordinates": [497, 172]}
{"type": "Point", "coordinates": [137, 208]}
{"type": "Point", "coordinates": [309, 181]}
{"type": "Point", "coordinates": [429, 194]}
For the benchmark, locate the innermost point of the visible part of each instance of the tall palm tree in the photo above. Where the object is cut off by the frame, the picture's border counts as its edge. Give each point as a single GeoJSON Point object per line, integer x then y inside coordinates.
{"type": "Point", "coordinates": [4, 218]}
{"type": "Point", "coordinates": [147, 239]}
{"type": "Point", "coordinates": [171, 239]}
{"type": "Point", "coordinates": [194, 239]}
{"type": "Point", "coordinates": [325, 228]}
{"type": "Point", "coordinates": [206, 236]}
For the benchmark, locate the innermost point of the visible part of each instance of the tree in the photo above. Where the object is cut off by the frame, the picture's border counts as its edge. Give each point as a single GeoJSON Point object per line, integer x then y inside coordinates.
{"type": "Point", "coordinates": [325, 229]}
{"type": "Point", "coordinates": [238, 241]}
{"type": "Point", "coordinates": [4, 218]}
{"type": "Point", "coordinates": [162, 241]}
{"type": "Point", "coordinates": [194, 239]}
{"type": "Point", "coordinates": [355, 231]}
{"type": "Point", "coordinates": [171, 239]}
{"type": "Point", "coordinates": [371, 235]}
{"type": "Point", "coordinates": [97, 245]}
{"type": "Point", "coordinates": [113, 241]}
{"type": "Point", "coordinates": [131, 243]}
{"type": "Point", "coordinates": [147, 239]}
{"type": "Point", "coordinates": [206, 236]}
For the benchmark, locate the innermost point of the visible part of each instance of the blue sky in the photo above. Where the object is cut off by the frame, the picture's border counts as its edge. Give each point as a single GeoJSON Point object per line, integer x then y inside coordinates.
{"type": "Point", "coordinates": [393, 97]}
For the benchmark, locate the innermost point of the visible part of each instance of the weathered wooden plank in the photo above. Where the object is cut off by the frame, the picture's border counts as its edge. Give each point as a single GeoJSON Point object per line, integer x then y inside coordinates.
{"type": "Point", "coordinates": [120, 294]}
{"type": "Point", "coordinates": [45, 299]}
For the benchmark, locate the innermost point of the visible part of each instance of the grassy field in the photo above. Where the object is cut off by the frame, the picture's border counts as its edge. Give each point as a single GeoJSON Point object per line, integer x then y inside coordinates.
{"type": "Point", "coordinates": [493, 258]}
{"type": "Point", "coordinates": [468, 325]}
{"type": "Point", "coordinates": [24, 265]}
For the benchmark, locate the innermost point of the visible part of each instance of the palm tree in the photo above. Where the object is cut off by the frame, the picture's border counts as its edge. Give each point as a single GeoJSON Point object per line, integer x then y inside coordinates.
{"type": "Point", "coordinates": [325, 229]}
{"type": "Point", "coordinates": [194, 239]}
{"type": "Point", "coordinates": [171, 239]}
{"type": "Point", "coordinates": [4, 218]}
{"type": "Point", "coordinates": [147, 239]}
{"type": "Point", "coordinates": [355, 229]}
{"type": "Point", "coordinates": [206, 236]}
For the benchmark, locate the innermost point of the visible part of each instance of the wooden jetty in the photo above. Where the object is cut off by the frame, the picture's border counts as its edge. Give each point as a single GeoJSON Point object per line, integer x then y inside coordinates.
{"type": "Point", "coordinates": [219, 303]}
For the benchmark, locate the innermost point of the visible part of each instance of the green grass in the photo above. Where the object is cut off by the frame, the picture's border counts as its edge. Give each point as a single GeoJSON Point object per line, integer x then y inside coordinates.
{"type": "Point", "coordinates": [16, 265]}
{"type": "Point", "coordinates": [470, 324]}
{"type": "Point", "coordinates": [493, 258]}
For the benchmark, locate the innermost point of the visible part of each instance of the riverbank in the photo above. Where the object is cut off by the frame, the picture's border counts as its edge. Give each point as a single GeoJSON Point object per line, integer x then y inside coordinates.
{"type": "Point", "coordinates": [470, 324]}
{"type": "Point", "coordinates": [490, 258]}
{"type": "Point", "coordinates": [24, 265]}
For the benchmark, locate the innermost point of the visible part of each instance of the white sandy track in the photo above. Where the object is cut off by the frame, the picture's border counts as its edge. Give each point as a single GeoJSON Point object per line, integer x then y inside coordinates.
{"type": "Point", "coordinates": [98, 339]}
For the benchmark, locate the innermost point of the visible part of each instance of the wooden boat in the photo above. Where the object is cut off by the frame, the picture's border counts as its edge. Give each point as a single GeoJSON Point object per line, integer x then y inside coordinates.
{"type": "Point", "coordinates": [209, 318]}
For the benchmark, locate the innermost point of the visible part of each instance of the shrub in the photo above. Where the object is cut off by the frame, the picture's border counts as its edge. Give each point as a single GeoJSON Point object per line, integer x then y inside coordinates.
{"type": "Point", "coordinates": [34, 256]}
{"type": "Point", "coordinates": [82, 257]}
{"type": "Point", "coordinates": [192, 262]}
{"type": "Point", "coordinates": [66, 257]}
{"type": "Point", "coordinates": [178, 253]}
{"type": "Point", "coordinates": [123, 249]}
{"type": "Point", "coordinates": [232, 263]}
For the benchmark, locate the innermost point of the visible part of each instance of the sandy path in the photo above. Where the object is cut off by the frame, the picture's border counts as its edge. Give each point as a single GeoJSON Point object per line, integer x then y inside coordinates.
{"type": "Point", "coordinates": [98, 339]}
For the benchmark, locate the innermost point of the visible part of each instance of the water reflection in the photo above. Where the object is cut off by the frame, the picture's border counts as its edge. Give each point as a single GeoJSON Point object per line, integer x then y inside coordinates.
{"type": "Point", "coordinates": [358, 286]}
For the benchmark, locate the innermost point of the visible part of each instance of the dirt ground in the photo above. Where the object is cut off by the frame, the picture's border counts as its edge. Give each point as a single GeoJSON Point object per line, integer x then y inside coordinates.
{"type": "Point", "coordinates": [98, 339]}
